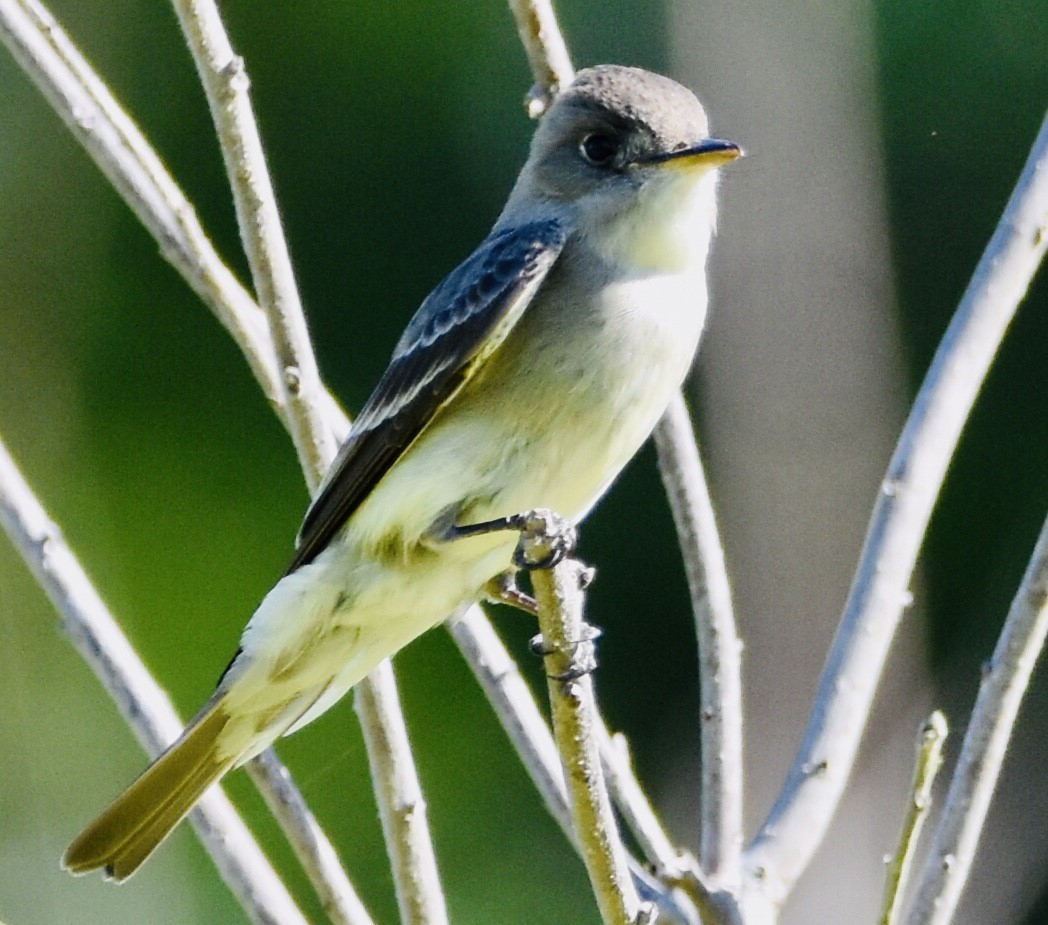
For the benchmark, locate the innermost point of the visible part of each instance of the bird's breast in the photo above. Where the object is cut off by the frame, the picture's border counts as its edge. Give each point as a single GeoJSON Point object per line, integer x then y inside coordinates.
{"type": "Point", "coordinates": [585, 377]}
{"type": "Point", "coordinates": [552, 417]}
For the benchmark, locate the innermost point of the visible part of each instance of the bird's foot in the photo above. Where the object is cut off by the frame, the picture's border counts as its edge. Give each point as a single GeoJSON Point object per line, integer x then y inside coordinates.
{"type": "Point", "coordinates": [546, 538]}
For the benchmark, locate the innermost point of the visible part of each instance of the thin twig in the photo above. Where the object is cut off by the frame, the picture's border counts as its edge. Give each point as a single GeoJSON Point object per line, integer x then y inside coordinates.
{"type": "Point", "coordinates": [546, 50]}
{"type": "Point", "coordinates": [930, 743]}
{"type": "Point", "coordinates": [225, 84]}
{"type": "Point", "coordinates": [633, 804]}
{"type": "Point", "coordinates": [500, 678]}
{"type": "Point", "coordinates": [1005, 680]}
{"type": "Point", "coordinates": [569, 659]}
{"type": "Point", "coordinates": [311, 845]}
{"type": "Point", "coordinates": [720, 669]}
{"type": "Point", "coordinates": [97, 637]}
{"type": "Point", "coordinates": [400, 801]}
{"type": "Point", "coordinates": [879, 594]}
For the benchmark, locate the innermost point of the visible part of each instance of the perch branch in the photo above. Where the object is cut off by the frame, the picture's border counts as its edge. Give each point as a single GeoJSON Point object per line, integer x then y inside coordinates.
{"type": "Point", "coordinates": [500, 678]}
{"type": "Point", "coordinates": [568, 649]}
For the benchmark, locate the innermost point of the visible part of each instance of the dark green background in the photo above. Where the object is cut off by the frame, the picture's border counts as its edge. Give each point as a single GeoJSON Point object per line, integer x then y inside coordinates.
{"type": "Point", "coordinates": [393, 132]}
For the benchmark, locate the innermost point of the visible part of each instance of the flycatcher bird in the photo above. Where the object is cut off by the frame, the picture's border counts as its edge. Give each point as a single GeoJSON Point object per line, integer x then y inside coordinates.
{"type": "Point", "coordinates": [527, 379]}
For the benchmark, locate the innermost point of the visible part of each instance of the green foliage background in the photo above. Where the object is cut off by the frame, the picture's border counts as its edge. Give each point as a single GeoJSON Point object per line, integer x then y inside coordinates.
{"type": "Point", "coordinates": [393, 131]}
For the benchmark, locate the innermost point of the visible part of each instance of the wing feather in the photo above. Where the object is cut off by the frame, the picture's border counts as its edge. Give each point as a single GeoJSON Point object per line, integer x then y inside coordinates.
{"type": "Point", "coordinates": [459, 325]}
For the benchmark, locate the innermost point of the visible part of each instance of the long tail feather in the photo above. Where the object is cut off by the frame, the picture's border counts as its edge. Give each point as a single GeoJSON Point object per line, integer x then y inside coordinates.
{"type": "Point", "coordinates": [123, 836]}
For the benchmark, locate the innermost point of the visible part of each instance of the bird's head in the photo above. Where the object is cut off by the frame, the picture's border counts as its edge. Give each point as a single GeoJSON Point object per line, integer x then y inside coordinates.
{"type": "Point", "coordinates": [628, 155]}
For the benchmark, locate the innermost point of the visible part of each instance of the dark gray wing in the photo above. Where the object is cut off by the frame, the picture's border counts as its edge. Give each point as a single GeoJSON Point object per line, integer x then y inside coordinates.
{"type": "Point", "coordinates": [459, 325]}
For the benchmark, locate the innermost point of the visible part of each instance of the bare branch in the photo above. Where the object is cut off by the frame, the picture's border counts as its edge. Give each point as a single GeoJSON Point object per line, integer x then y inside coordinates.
{"type": "Point", "coordinates": [546, 50]}
{"type": "Point", "coordinates": [500, 679]}
{"type": "Point", "coordinates": [97, 637]}
{"type": "Point", "coordinates": [400, 801]}
{"type": "Point", "coordinates": [720, 669]}
{"type": "Point", "coordinates": [311, 845]}
{"type": "Point", "coordinates": [1004, 683]}
{"type": "Point", "coordinates": [226, 85]}
{"type": "Point", "coordinates": [879, 593]}
{"type": "Point", "coordinates": [632, 802]}
{"type": "Point", "coordinates": [569, 659]}
{"type": "Point", "coordinates": [930, 743]}
{"type": "Point", "coordinates": [116, 145]}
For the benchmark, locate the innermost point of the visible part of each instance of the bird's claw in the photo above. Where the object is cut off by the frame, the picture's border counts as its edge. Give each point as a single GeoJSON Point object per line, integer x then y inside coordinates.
{"type": "Point", "coordinates": [546, 539]}
{"type": "Point", "coordinates": [582, 653]}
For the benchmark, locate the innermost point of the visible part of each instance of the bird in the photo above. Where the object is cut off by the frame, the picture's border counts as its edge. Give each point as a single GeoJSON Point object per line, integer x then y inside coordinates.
{"type": "Point", "coordinates": [526, 380]}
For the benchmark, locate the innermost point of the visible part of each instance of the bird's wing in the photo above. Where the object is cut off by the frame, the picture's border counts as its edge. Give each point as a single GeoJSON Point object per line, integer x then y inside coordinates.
{"type": "Point", "coordinates": [459, 325]}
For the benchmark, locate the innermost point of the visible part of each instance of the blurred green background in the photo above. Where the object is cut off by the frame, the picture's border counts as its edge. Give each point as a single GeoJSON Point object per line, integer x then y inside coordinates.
{"type": "Point", "coordinates": [393, 132]}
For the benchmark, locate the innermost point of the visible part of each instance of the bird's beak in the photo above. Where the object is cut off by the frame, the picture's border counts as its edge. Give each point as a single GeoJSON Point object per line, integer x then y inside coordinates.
{"type": "Point", "coordinates": [713, 152]}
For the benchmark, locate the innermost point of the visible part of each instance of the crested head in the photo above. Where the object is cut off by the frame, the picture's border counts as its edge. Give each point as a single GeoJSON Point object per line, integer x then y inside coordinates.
{"type": "Point", "coordinates": [627, 155]}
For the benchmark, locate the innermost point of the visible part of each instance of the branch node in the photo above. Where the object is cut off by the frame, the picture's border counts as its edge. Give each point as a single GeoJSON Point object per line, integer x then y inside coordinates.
{"type": "Point", "coordinates": [234, 73]}
{"type": "Point", "coordinates": [539, 99]}
{"type": "Point", "coordinates": [293, 380]}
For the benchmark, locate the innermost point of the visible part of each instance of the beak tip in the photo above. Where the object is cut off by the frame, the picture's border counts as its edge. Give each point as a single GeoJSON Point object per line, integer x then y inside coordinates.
{"type": "Point", "coordinates": [712, 152]}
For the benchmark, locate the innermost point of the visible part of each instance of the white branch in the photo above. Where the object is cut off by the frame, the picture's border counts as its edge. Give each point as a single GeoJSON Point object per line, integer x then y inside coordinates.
{"type": "Point", "coordinates": [86, 106]}
{"type": "Point", "coordinates": [546, 50]}
{"type": "Point", "coordinates": [720, 668]}
{"type": "Point", "coordinates": [1004, 683]}
{"type": "Point", "coordinates": [225, 83]}
{"type": "Point", "coordinates": [879, 593]}
{"type": "Point", "coordinates": [400, 801]}
{"type": "Point", "coordinates": [310, 843]}
{"type": "Point", "coordinates": [97, 637]}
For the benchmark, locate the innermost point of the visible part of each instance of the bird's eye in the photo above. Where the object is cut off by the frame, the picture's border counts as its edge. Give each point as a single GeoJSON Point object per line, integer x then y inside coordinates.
{"type": "Point", "coordinates": [599, 149]}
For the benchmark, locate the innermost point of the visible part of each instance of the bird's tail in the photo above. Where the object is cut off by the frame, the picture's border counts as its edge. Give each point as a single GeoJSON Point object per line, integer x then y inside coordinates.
{"type": "Point", "coordinates": [127, 832]}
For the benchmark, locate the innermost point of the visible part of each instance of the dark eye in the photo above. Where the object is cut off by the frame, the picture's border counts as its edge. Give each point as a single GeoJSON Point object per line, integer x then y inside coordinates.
{"type": "Point", "coordinates": [599, 149]}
